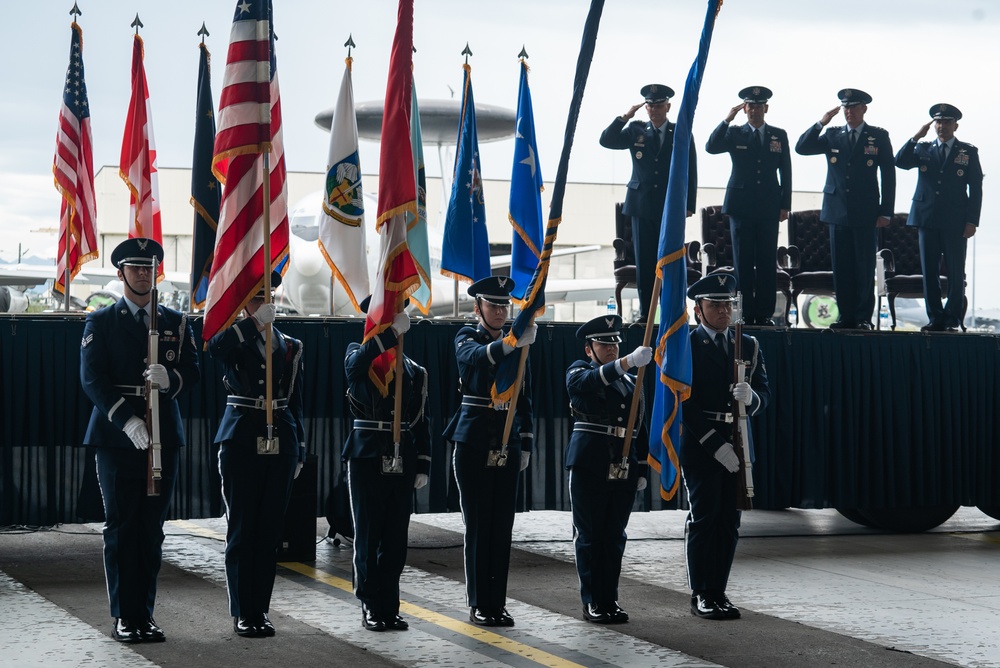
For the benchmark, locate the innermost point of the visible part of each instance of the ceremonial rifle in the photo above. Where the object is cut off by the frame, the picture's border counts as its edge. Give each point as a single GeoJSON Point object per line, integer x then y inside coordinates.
{"type": "Point", "coordinates": [741, 440]}
{"type": "Point", "coordinates": [154, 464]}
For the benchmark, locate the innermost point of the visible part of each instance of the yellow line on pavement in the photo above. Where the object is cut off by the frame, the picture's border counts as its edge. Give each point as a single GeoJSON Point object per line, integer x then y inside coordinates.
{"type": "Point", "coordinates": [478, 633]}
{"type": "Point", "coordinates": [198, 530]}
{"type": "Point", "coordinates": [981, 537]}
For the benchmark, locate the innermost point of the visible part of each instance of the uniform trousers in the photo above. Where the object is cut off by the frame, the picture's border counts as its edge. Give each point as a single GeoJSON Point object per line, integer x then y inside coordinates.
{"type": "Point", "coordinates": [646, 241]}
{"type": "Point", "coordinates": [853, 256]}
{"type": "Point", "coordinates": [255, 489]}
{"type": "Point", "coordinates": [712, 528]}
{"type": "Point", "coordinates": [601, 510]}
{"type": "Point", "coordinates": [381, 505]}
{"type": "Point", "coordinates": [755, 241]}
{"type": "Point", "coordinates": [133, 528]}
{"type": "Point", "coordinates": [935, 243]}
{"type": "Point", "coordinates": [487, 496]}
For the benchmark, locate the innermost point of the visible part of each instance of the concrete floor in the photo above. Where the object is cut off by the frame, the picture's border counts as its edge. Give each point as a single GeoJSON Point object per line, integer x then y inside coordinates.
{"type": "Point", "coordinates": [815, 589]}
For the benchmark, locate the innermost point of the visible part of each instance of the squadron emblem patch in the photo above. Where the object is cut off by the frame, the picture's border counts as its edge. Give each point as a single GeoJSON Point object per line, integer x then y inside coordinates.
{"type": "Point", "coordinates": [344, 201]}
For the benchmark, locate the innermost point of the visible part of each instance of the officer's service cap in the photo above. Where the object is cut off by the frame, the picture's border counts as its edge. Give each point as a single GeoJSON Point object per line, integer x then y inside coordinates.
{"type": "Point", "coordinates": [852, 96]}
{"type": "Point", "coordinates": [656, 93]}
{"type": "Point", "coordinates": [138, 252]}
{"type": "Point", "coordinates": [494, 289]}
{"type": "Point", "coordinates": [275, 282]}
{"type": "Point", "coordinates": [755, 94]}
{"type": "Point", "coordinates": [603, 329]}
{"type": "Point", "coordinates": [368, 300]}
{"type": "Point", "coordinates": [714, 287]}
{"type": "Point", "coordinates": [945, 112]}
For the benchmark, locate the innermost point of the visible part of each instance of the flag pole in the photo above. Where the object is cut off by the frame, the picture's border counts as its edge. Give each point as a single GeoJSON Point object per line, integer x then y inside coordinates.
{"type": "Point", "coordinates": [66, 272]}
{"type": "Point", "coordinates": [271, 445]}
{"type": "Point", "coordinates": [397, 415]}
{"type": "Point", "coordinates": [509, 424]}
{"type": "Point", "coordinates": [647, 338]}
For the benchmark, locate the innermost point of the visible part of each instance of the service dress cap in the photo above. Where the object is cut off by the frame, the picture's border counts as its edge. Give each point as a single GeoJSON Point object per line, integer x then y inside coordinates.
{"type": "Point", "coordinates": [494, 289]}
{"type": "Point", "coordinates": [137, 252]}
{"type": "Point", "coordinates": [755, 94]}
{"type": "Point", "coordinates": [656, 93]}
{"type": "Point", "coordinates": [275, 282]}
{"type": "Point", "coordinates": [850, 97]}
{"type": "Point", "coordinates": [945, 112]}
{"type": "Point", "coordinates": [714, 287]}
{"type": "Point", "coordinates": [603, 329]}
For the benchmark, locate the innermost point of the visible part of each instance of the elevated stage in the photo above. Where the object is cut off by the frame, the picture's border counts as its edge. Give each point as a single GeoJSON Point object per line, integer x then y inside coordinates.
{"type": "Point", "coordinates": [893, 429]}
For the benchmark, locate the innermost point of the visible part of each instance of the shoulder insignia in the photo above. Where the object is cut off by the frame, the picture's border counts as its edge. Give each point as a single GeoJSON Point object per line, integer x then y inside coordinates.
{"type": "Point", "coordinates": [85, 341]}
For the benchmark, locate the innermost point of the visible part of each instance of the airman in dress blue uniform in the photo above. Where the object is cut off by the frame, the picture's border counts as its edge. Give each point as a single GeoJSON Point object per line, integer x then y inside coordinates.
{"type": "Point", "coordinates": [758, 197]}
{"type": "Point", "coordinates": [651, 145]}
{"type": "Point", "coordinates": [256, 485]}
{"type": "Point", "coordinates": [858, 155]}
{"type": "Point", "coordinates": [945, 210]}
{"type": "Point", "coordinates": [381, 486]}
{"type": "Point", "coordinates": [113, 371]}
{"type": "Point", "coordinates": [709, 463]}
{"type": "Point", "coordinates": [487, 485]}
{"type": "Point", "coordinates": [600, 399]}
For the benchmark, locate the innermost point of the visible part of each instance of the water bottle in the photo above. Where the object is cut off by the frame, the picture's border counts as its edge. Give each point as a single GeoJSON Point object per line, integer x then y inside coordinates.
{"type": "Point", "coordinates": [612, 307]}
{"type": "Point", "coordinates": [883, 317]}
{"type": "Point", "coordinates": [793, 315]}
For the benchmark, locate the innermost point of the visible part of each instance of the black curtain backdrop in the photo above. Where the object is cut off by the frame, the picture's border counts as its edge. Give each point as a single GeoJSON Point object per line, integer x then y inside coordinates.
{"type": "Point", "coordinates": [877, 420]}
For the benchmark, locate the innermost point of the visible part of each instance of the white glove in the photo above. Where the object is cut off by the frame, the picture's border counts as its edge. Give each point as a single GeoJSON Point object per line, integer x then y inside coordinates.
{"type": "Point", "coordinates": [726, 455]}
{"type": "Point", "coordinates": [528, 336]}
{"type": "Point", "coordinates": [525, 458]}
{"type": "Point", "coordinates": [135, 429]}
{"type": "Point", "coordinates": [742, 393]}
{"type": "Point", "coordinates": [420, 481]}
{"type": "Point", "coordinates": [157, 375]}
{"type": "Point", "coordinates": [298, 470]}
{"type": "Point", "coordinates": [400, 323]}
{"type": "Point", "coordinates": [265, 314]}
{"type": "Point", "coordinates": [641, 485]}
{"type": "Point", "coordinates": [641, 356]}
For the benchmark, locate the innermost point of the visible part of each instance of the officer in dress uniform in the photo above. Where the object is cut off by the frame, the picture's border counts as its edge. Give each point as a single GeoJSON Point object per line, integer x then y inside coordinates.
{"type": "Point", "coordinates": [381, 487]}
{"type": "Point", "coordinates": [858, 155]}
{"type": "Point", "coordinates": [487, 486]}
{"type": "Point", "coordinates": [651, 145]}
{"type": "Point", "coordinates": [113, 371]}
{"type": "Point", "coordinates": [708, 459]}
{"type": "Point", "coordinates": [945, 210]}
{"type": "Point", "coordinates": [758, 197]}
{"type": "Point", "coordinates": [256, 485]}
{"type": "Point", "coordinates": [600, 399]}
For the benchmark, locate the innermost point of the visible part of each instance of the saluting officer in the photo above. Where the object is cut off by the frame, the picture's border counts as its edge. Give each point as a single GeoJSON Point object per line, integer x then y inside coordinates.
{"type": "Point", "coordinates": [945, 210]}
{"type": "Point", "coordinates": [257, 484]}
{"type": "Point", "coordinates": [487, 484]}
{"type": "Point", "coordinates": [380, 485]}
{"type": "Point", "coordinates": [600, 399]}
{"type": "Point", "coordinates": [651, 145]}
{"type": "Point", "coordinates": [758, 197]}
{"type": "Point", "coordinates": [708, 459]}
{"type": "Point", "coordinates": [113, 371]}
{"type": "Point", "coordinates": [858, 156]}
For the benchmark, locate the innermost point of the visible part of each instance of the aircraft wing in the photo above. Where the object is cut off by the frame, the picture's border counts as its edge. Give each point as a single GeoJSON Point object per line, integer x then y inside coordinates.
{"type": "Point", "coordinates": [497, 261]}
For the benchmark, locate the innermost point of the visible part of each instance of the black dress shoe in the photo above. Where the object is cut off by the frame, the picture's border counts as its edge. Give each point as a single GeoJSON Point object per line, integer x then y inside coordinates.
{"type": "Point", "coordinates": [480, 617]}
{"type": "Point", "coordinates": [245, 627]}
{"type": "Point", "coordinates": [126, 631]}
{"type": "Point", "coordinates": [727, 607]}
{"type": "Point", "coordinates": [370, 620]}
{"type": "Point", "coordinates": [397, 623]}
{"type": "Point", "coordinates": [264, 625]}
{"type": "Point", "coordinates": [503, 618]}
{"type": "Point", "coordinates": [864, 325]}
{"type": "Point", "coordinates": [842, 324]}
{"type": "Point", "coordinates": [704, 606]}
{"type": "Point", "coordinates": [618, 616]}
{"type": "Point", "coordinates": [596, 613]}
{"type": "Point", "coordinates": [150, 632]}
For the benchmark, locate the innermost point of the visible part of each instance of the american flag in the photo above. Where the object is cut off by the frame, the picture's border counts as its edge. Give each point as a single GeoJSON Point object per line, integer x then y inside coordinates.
{"type": "Point", "coordinates": [397, 195]}
{"type": "Point", "coordinates": [249, 125]}
{"type": "Point", "coordinates": [137, 165]}
{"type": "Point", "coordinates": [73, 169]}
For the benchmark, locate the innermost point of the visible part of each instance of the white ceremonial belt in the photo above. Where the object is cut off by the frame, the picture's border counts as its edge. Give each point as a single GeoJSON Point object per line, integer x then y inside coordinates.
{"type": "Point", "coordinates": [719, 417]}
{"type": "Point", "coordinates": [377, 425]}
{"type": "Point", "coordinates": [484, 402]}
{"type": "Point", "coordinates": [132, 390]}
{"type": "Point", "coordinates": [606, 430]}
{"type": "Point", "coordinates": [255, 402]}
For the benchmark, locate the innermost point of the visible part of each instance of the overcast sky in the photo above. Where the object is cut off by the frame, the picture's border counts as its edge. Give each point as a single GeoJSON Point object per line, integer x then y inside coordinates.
{"type": "Point", "coordinates": [908, 54]}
